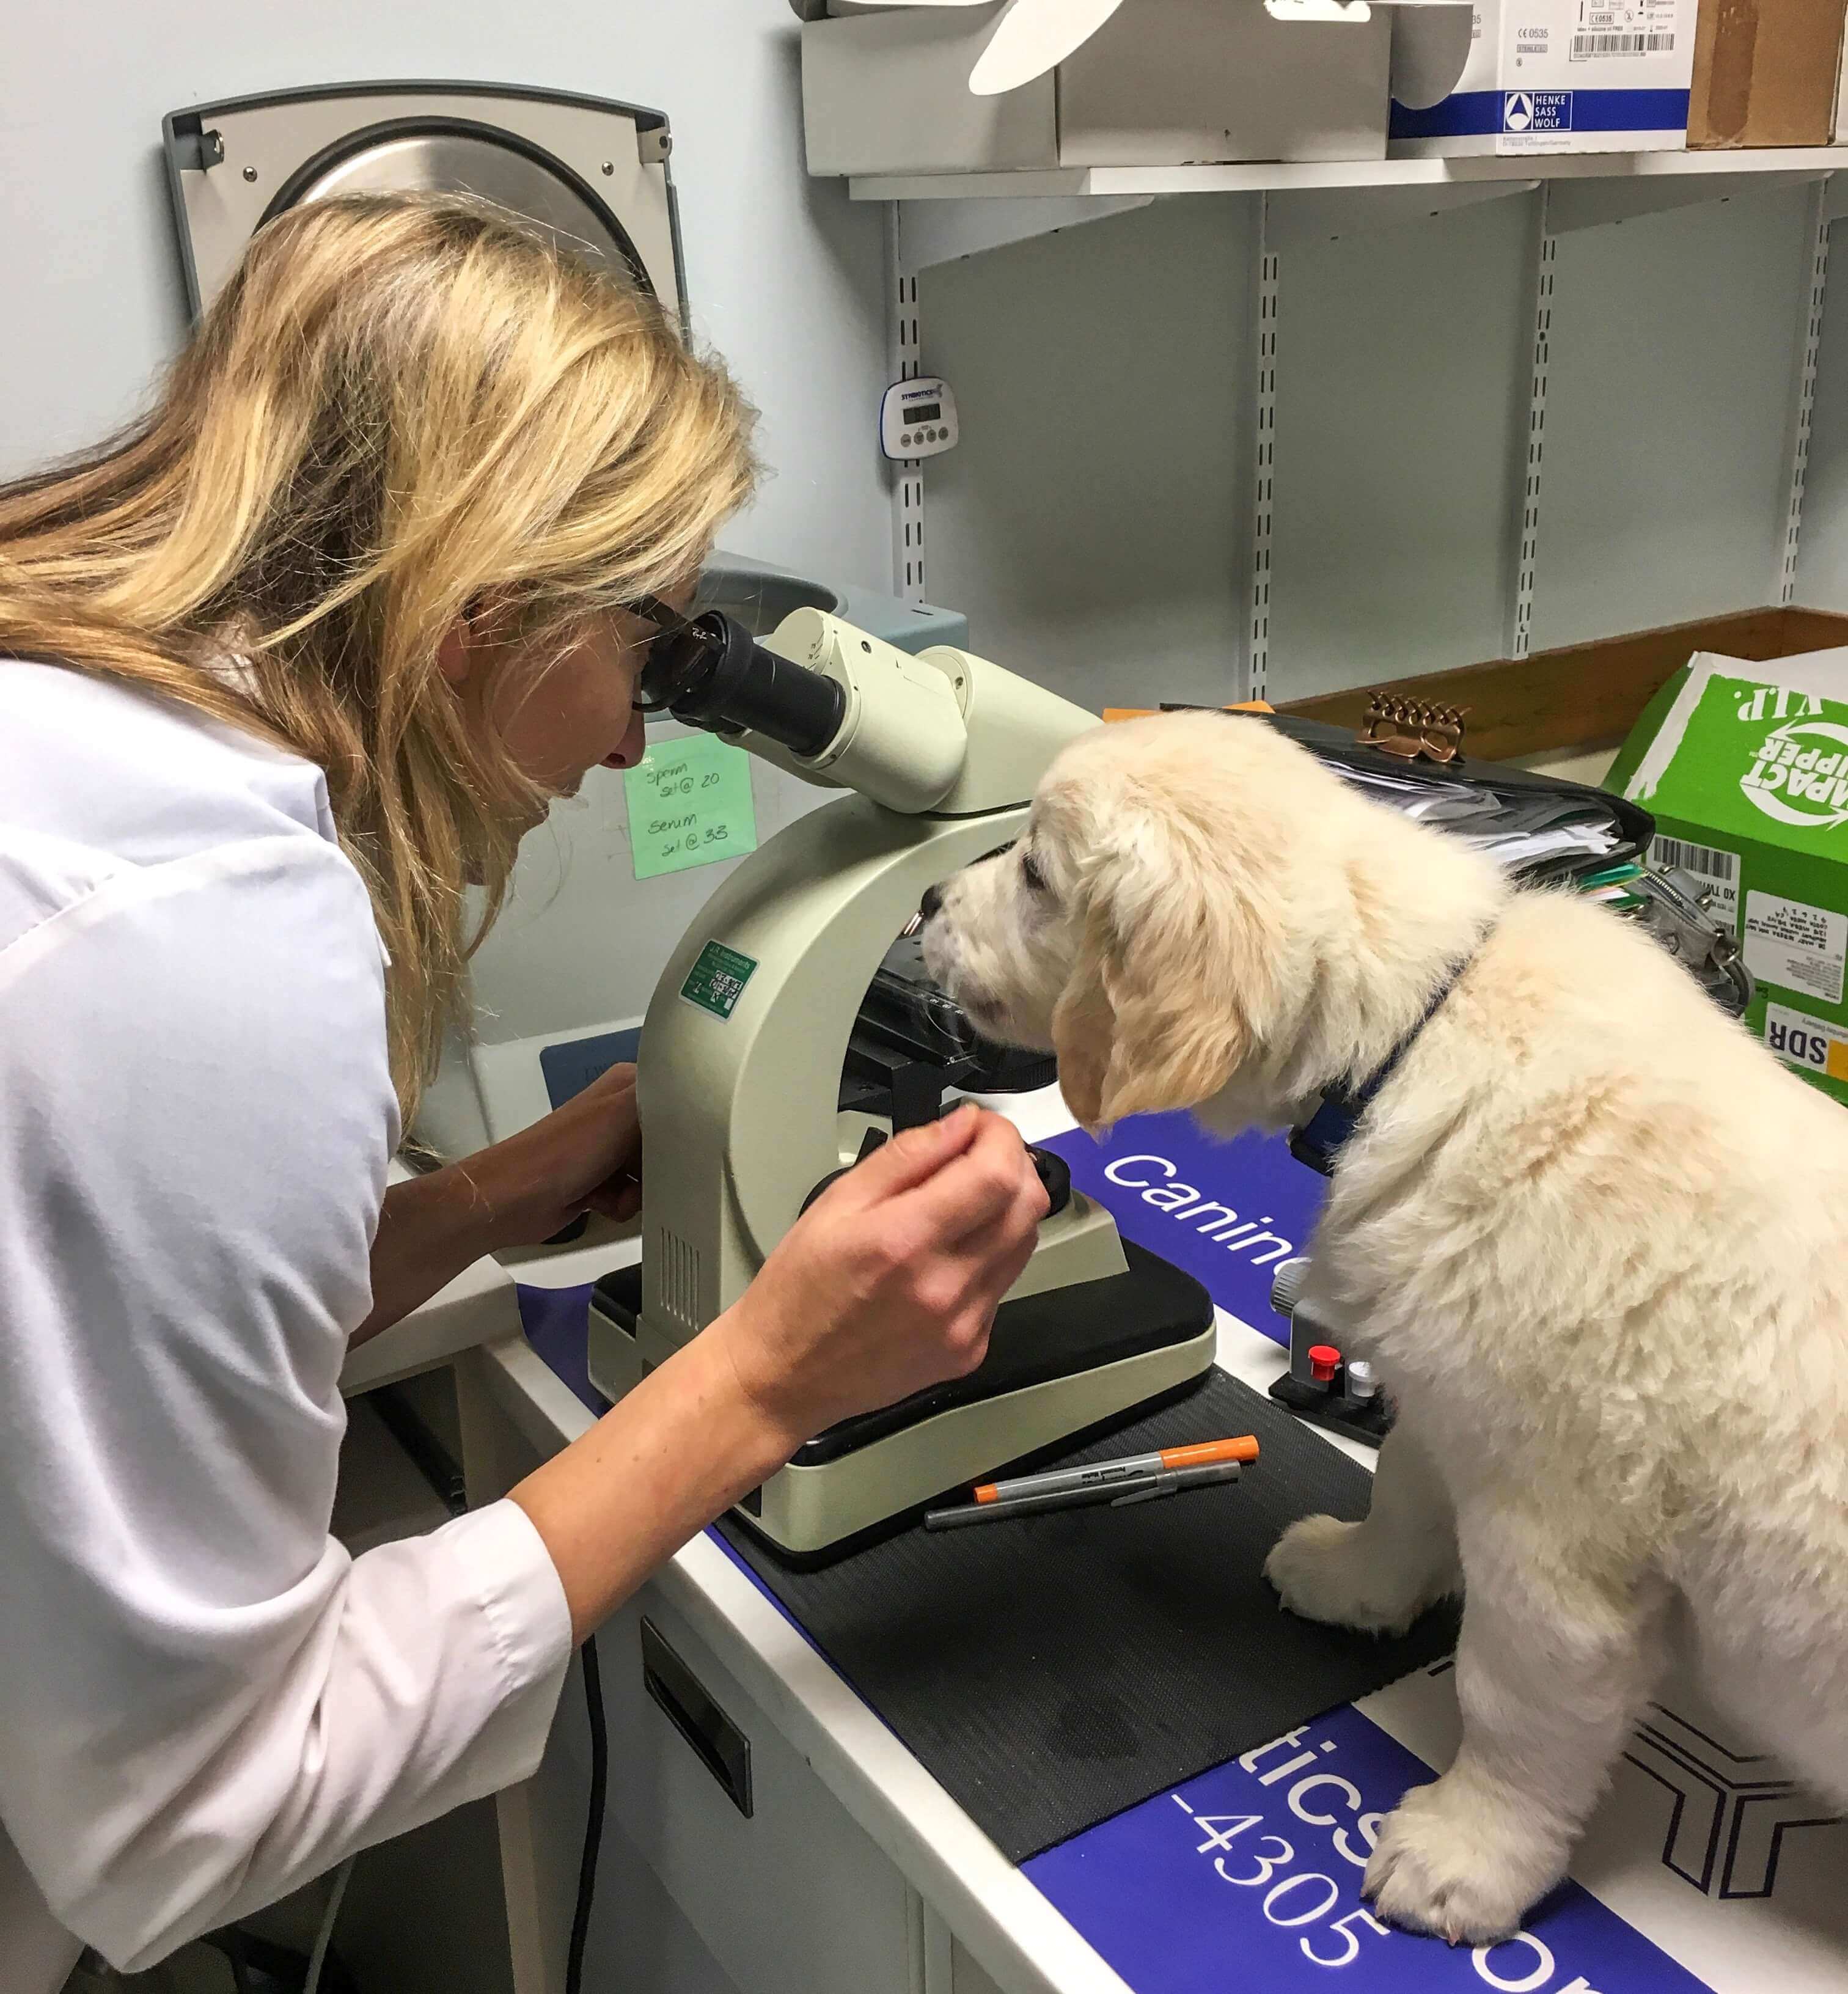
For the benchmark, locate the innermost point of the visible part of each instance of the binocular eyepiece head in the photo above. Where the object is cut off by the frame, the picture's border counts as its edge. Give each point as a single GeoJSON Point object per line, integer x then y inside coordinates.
{"type": "Point", "coordinates": [709, 671]}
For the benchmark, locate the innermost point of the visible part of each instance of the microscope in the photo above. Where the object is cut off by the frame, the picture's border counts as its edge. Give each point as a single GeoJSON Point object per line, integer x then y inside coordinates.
{"type": "Point", "coordinates": [745, 1041]}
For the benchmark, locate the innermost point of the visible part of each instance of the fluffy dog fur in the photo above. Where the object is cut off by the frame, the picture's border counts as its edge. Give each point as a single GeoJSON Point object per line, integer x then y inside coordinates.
{"type": "Point", "coordinates": [1589, 1233]}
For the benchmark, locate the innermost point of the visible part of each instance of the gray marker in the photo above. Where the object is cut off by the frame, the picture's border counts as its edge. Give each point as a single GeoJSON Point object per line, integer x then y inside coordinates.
{"type": "Point", "coordinates": [1119, 1495]}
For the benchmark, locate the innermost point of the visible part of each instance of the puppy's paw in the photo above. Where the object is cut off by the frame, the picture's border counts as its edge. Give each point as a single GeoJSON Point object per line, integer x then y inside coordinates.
{"type": "Point", "coordinates": [1326, 1570]}
{"type": "Point", "coordinates": [1466, 1871]}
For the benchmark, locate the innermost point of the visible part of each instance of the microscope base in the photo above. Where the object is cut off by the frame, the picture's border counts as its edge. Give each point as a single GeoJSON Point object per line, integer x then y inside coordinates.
{"type": "Point", "coordinates": [1061, 1363]}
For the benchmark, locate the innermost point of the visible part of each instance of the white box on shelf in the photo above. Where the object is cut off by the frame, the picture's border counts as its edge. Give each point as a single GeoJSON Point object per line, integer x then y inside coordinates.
{"type": "Point", "coordinates": [1562, 76]}
{"type": "Point", "coordinates": [1162, 83]}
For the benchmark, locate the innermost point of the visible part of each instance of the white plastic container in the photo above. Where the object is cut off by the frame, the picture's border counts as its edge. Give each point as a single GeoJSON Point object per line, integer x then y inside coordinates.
{"type": "Point", "coordinates": [1162, 83]}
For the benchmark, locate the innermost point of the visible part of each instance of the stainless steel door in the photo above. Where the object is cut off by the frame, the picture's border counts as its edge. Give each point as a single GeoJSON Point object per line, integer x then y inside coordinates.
{"type": "Point", "coordinates": [595, 175]}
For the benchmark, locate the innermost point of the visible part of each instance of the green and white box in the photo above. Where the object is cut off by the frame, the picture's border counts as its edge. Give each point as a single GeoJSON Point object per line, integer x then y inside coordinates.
{"type": "Point", "coordinates": [1745, 768]}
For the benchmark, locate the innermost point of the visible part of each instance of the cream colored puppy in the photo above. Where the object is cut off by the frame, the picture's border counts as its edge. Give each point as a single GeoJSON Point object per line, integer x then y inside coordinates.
{"type": "Point", "coordinates": [1590, 1233]}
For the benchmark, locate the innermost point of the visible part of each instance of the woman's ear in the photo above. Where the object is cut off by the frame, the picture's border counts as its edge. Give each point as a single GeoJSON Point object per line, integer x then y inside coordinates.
{"type": "Point", "coordinates": [474, 633]}
{"type": "Point", "coordinates": [1155, 1014]}
{"type": "Point", "coordinates": [455, 653]}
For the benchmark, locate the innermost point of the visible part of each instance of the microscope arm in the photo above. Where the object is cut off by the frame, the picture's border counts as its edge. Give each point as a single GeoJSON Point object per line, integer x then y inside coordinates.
{"type": "Point", "coordinates": [744, 1040]}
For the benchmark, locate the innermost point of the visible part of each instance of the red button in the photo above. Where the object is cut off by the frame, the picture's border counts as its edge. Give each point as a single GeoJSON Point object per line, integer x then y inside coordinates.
{"type": "Point", "coordinates": [1325, 1360]}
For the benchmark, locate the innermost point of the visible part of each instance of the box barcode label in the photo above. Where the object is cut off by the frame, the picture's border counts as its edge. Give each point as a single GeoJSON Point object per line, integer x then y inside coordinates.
{"type": "Point", "coordinates": [1584, 46]}
{"type": "Point", "coordinates": [1701, 858]}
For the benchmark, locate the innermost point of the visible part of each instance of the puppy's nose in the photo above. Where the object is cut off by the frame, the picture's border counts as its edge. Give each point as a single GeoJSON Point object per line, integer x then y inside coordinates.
{"type": "Point", "coordinates": [932, 903]}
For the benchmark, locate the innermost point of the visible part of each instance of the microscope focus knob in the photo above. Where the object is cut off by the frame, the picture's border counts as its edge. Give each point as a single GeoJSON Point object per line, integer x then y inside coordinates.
{"type": "Point", "coordinates": [1055, 1179]}
{"type": "Point", "coordinates": [1286, 1289]}
{"type": "Point", "coordinates": [1054, 1172]}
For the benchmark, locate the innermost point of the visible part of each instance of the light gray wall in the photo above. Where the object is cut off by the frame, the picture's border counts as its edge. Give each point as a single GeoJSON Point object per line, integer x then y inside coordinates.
{"type": "Point", "coordinates": [1401, 376]}
{"type": "Point", "coordinates": [1106, 555]}
{"type": "Point", "coordinates": [1667, 448]}
{"type": "Point", "coordinates": [1093, 515]}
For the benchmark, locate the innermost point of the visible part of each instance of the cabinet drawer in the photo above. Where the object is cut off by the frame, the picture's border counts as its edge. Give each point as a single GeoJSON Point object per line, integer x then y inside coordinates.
{"type": "Point", "coordinates": [784, 1889]}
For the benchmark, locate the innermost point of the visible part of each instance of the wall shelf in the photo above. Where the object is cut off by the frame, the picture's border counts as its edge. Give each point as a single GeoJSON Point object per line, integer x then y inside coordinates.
{"type": "Point", "coordinates": [944, 217]}
{"type": "Point", "coordinates": [1273, 176]}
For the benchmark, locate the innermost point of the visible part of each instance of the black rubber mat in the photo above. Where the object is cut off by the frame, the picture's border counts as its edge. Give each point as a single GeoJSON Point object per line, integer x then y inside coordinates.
{"type": "Point", "coordinates": [1051, 1670]}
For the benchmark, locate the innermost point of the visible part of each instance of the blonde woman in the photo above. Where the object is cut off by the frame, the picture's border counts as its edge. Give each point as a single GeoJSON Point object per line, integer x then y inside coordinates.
{"type": "Point", "coordinates": [282, 671]}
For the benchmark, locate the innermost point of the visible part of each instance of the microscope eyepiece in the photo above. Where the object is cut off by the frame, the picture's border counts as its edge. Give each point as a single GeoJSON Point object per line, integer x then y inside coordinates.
{"type": "Point", "coordinates": [709, 671]}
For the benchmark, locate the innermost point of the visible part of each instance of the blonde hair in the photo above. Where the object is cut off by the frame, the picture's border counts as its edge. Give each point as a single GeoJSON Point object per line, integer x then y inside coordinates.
{"type": "Point", "coordinates": [400, 407]}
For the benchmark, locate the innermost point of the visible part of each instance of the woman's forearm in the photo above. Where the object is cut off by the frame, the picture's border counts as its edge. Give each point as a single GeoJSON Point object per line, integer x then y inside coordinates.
{"type": "Point", "coordinates": [679, 1450]}
{"type": "Point", "coordinates": [429, 1229]}
{"type": "Point", "coordinates": [518, 1192]}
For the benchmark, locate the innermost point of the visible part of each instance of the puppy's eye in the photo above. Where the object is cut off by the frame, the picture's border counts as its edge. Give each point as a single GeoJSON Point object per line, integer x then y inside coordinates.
{"type": "Point", "coordinates": [1030, 872]}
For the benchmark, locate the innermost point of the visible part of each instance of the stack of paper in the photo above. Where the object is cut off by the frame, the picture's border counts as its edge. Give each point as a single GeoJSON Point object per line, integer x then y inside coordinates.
{"type": "Point", "coordinates": [1517, 829]}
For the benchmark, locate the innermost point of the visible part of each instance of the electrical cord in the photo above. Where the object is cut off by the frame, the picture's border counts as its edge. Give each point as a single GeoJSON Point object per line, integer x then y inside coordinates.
{"type": "Point", "coordinates": [593, 1826]}
{"type": "Point", "coordinates": [324, 1937]}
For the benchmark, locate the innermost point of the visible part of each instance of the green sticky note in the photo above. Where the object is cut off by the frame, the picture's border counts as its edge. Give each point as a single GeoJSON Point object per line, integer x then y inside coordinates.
{"type": "Point", "coordinates": [689, 804]}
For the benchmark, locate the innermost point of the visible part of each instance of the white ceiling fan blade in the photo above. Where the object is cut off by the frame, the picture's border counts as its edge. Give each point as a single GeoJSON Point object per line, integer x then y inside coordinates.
{"type": "Point", "coordinates": [1031, 37]}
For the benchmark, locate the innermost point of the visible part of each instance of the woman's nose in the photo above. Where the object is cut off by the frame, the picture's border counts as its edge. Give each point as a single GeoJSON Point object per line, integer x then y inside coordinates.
{"type": "Point", "coordinates": [635, 744]}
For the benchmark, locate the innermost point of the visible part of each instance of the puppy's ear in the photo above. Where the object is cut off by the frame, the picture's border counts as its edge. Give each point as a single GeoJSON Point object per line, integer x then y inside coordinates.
{"type": "Point", "coordinates": [1156, 1012]}
{"type": "Point", "coordinates": [1084, 1028]}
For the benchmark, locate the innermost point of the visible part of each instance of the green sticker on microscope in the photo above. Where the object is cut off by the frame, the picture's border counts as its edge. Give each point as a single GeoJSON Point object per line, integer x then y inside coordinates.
{"type": "Point", "coordinates": [716, 981]}
{"type": "Point", "coordinates": [690, 803]}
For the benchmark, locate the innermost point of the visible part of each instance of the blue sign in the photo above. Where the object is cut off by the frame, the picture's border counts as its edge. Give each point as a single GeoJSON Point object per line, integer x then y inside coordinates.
{"type": "Point", "coordinates": [1229, 1214]}
{"type": "Point", "coordinates": [1537, 111]}
{"type": "Point", "coordinates": [1250, 1877]}
{"type": "Point", "coordinates": [1481, 113]}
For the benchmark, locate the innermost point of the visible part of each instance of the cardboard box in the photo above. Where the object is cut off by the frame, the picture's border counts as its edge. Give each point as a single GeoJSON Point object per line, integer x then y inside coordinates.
{"type": "Point", "coordinates": [1162, 83]}
{"type": "Point", "coordinates": [1766, 73]}
{"type": "Point", "coordinates": [1563, 76]}
{"type": "Point", "coordinates": [1745, 767]}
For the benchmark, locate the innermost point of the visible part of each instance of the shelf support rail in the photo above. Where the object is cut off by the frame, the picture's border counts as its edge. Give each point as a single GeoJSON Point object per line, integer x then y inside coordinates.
{"type": "Point", "coordinates": [903, 362]}
{"type": "Point", "coordinates": [1255, 674]}
{"type": "Point", "coordinates": [1804, 396]}
{"type": "Point", "coordinates": [1533, 448]}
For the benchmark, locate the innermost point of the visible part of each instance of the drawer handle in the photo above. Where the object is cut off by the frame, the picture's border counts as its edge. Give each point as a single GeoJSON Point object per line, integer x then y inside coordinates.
{"type": "Point", "coordinates": [724, 1750]}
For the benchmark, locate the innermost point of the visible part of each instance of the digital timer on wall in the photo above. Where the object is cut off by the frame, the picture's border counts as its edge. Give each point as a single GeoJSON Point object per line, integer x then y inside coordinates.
{"type": "Point", "coordinates": [917, 418]}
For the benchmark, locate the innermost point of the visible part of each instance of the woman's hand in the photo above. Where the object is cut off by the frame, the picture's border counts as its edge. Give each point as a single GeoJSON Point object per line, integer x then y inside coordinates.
{"type": "Point", "coordinates": [890, 1282]}
{"type": "Point", "coordinates": [585, 1156]}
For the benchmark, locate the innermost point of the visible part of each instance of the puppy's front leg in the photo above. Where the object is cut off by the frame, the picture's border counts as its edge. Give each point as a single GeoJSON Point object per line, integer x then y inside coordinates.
{"type": "Point", "coordinates": [1381, 1574]}
{"type": "Point", "coordinates": [1557, 1656]}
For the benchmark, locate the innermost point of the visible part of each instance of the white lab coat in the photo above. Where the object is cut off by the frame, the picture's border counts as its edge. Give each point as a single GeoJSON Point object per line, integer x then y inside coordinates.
{"type": "Point", "coordinates": [203, 1701]}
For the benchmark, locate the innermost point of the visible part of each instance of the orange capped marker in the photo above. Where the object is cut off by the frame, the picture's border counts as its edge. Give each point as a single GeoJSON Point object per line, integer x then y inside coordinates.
{"type": "Point", "coordinates": [1201, 1453]}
